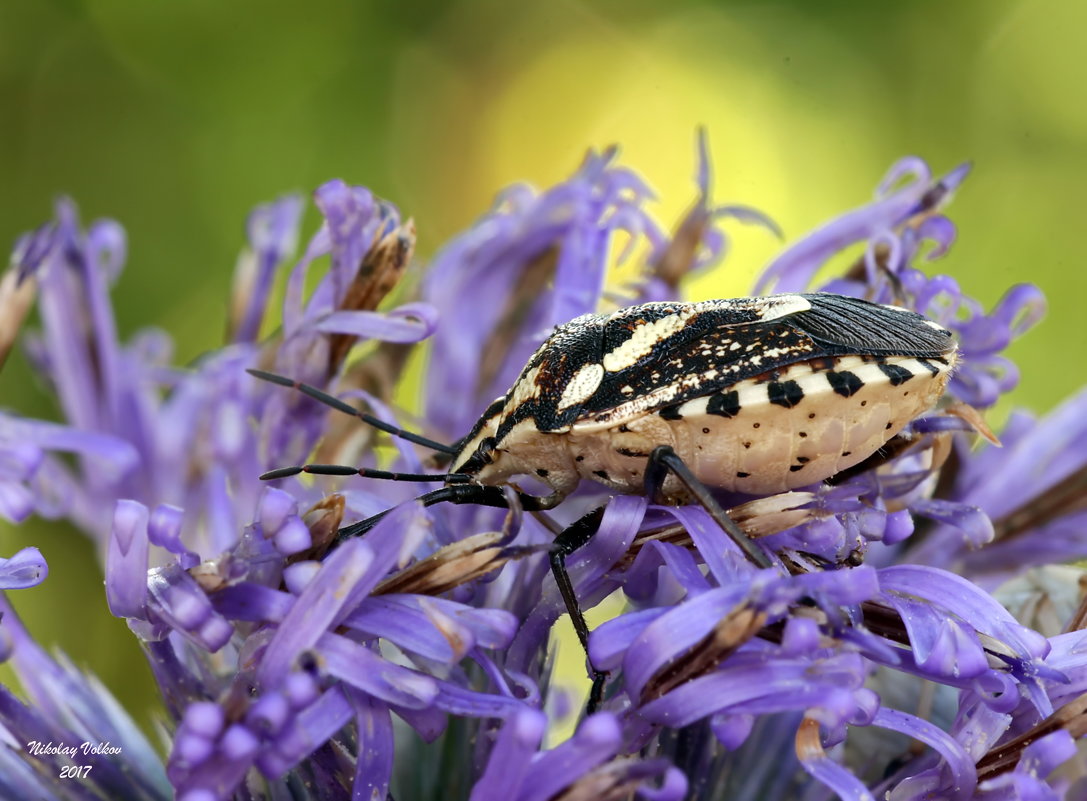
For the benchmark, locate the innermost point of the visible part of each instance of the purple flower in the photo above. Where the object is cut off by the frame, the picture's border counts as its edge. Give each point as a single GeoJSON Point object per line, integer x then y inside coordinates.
{"type": "Point", "coordinates": [870, 657]}
{"type": "Point", "coordinates": [62, 718]}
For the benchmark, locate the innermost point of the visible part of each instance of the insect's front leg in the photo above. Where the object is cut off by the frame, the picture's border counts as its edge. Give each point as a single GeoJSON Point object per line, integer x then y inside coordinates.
{"type": "Point", "coordinates": [664, 460]}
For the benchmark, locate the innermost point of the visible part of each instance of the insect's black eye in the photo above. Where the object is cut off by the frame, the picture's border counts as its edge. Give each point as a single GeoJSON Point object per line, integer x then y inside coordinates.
{"type": "Point", "coordinates": [485, 449]}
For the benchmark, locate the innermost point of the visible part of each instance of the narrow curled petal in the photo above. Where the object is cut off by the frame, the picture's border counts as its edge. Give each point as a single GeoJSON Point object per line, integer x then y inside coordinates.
{"type": "Point", "coordinates": [26, 568]}
{"type": "Point", "coordinates": [758, 686]}
{"type": "Point", "coordinates": [410, 323]}
{"type": "Point", "coordinates": [363, 669]}
{"type": "Point", "coordinates": [273, 233]}
{"type": "Point", "coordinates": [962, 778]}
{"type": "Point", "coordinates": [597, 739]}
{"type": "Point", "coordinates": [374, 767]}
{"type": "Point", "coordinates": [972, 522]}
{"type": "Point", "coordinates": [511, 757]}
{"type": "Point", "coordinates": [793, 270]}
{"type": "Point", "coordinates": [432, 627]}
{"type": "Point", "coordinates": [306, 732]}
{"type": "Point", "coordinates": [175, 598]}
{"type": "Point", "coordinates": [821, 767]}
{"type": "Point", "coordinates": [127, 561]}
{"type": "Point", "coordinates": [315, 610]}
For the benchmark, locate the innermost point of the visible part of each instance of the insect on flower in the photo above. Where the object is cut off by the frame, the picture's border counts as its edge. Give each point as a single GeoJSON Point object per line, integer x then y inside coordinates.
{"type": "Point", "coordinates": [753, 395]}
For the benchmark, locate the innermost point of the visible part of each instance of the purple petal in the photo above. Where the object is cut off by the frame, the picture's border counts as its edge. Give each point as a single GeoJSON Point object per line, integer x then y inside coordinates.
{"type": "Point", "coordinates": [16, 502]}
{"type": "Point", "coordinates": [467, 703]}
{"type": "Point", "coordinates": [675, 632]}
{"type": "Point", "coordinates": [837, 777]}
{"type": "Point", "coordinates": [928, 595]}
{"type": "Point", "coordinates": [374, 767]}
{"type": "Point", "coordinates": [293, 537]}
{"type": "Point", "coordinates": [597, 739]}
{"type": "Point", "coordinates": [732, 730]}
{"type": "Point", "coordinates": [127, 560]}
{"type": "Point", "coordinates": [940, 230]}
{"type": "Point", "coordinates": [273, 234]}
{"type": "Point", "coordinates": [963, 776]}
{"type": "Point", "coordinates": [315, 610]}
{"type": "Point", "coordinates": [433, 627]}
{"type": "Point", "coordinates": [175, 597]}
{"type": "Point", "coordinates": [362, 668]}
{"type": "Point", "coordinates": [307, 731]}
{"type": "Point", "coordinates": [275, 507]}
{"type": "Point", "coordinates": [511, 757]}
{"type": "Point", "coordinates": [759, 686]}
{"type": "Point", "coordinates": [794, 269]}
{"type": "Point", "coordinates": [975, 525]}
{"type": "Point", "coordinates": [410, 323]}
{"type": "Point", "coordinates": [608, 642]}
{"type": "Point", "coordinates": [27, 568]}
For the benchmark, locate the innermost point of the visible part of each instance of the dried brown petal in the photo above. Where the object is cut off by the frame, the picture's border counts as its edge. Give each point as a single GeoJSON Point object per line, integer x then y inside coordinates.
{"type": "Point", "coordinates": [380, 271]}
{"type": "Point", "coordinates": [16, 298]}
{"type": "Point", "coordinates": [1071, 717]}
{"type": "Point", "coordinates": [967, 413]}
{"type": "Point", "coordinates": [609, 782]}
{"type": "Point", "coordinates": [531, 284]}
{"type": "Point", "coordinates": [453, 565]}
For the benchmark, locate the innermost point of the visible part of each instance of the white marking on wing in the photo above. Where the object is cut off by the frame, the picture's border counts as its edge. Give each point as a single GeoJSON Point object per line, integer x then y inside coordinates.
{"type": "Point", "coordinates": [642, 340]}
{"type": "Point", "coordinates": [524, 389]}
{"type": "Point", "coordinates": [581, 386]}
{"type": "Point", "coordinates": [775, 306]}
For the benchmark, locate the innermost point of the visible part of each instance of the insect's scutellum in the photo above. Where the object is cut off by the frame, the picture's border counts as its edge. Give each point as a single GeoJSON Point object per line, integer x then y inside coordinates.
{"type": "Point", "coordinates": [755, 395]}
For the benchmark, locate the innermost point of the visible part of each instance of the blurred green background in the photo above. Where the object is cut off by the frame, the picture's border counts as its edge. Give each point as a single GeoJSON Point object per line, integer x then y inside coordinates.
{"type": "Point", "coordinates": [176, 118]}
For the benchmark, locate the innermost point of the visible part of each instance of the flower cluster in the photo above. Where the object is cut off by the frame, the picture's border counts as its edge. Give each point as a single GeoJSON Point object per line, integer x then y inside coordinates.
{"type": "Point", "coordinates": [417, 660]}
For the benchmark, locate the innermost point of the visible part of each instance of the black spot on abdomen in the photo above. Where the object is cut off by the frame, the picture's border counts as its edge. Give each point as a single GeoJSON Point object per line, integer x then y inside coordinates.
{"type": "Point", "coordinates": [671, 412]}
{"type": "Point", "coordinates": [932, 368]}
{"type": "Point", "coordinates": [724, 404]}
{"type": "Point", "coordinates": [896, 374]}
{"type": "Point", "coordinates": [844, 383]}
{"type": "Point", "coordinates": [785, 393]}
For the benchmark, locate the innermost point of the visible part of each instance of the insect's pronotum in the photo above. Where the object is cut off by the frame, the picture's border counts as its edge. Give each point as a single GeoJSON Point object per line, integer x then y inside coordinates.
{"type": "Point", "coordinates": [753, 395]}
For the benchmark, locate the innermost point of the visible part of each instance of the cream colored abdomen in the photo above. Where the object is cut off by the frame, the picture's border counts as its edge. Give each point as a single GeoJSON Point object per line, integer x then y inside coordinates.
{"type": "Point", "coordinates": [767, 447]}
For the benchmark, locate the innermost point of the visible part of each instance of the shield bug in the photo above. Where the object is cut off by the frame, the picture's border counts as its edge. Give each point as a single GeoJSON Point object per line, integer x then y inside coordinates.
{"type": "Point", "coordinates": [753, 395]}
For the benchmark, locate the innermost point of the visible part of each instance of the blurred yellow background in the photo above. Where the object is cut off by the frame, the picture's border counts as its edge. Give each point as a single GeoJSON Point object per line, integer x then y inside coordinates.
{"type": "Point", "coordinates": [177, 118]}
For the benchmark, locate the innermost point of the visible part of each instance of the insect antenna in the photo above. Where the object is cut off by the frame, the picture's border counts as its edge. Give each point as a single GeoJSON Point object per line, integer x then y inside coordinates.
{"type": "Point", "coordinates": [369, 419]}
{"type": "Point", "coordinates": [456, 493]}
{"type": "Point", "coordinates": [365, 472]}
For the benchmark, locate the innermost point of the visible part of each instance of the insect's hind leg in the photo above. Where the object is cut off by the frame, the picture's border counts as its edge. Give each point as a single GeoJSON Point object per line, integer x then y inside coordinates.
{"type": "Point", "coordinates": [568, 541]}
{"type": "Point", "coordinates": [664, 460]}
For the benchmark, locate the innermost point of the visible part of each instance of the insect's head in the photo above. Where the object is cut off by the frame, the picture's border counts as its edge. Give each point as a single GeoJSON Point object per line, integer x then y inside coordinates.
{"type": "Point", "coordinates": [477, 454]}
{"type": "Point", "coordinates": [477, 449]}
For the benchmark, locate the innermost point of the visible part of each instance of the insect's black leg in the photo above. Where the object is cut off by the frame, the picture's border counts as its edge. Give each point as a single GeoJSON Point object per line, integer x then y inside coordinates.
{"type": "Point", "coordinates": [572, 538]}
{"type": "Point", "coordinates": [565, 544]}
{"type": "Point", "coordinates": [458, 494]}
{"type": "Point", "coordinates": [664, 460]}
